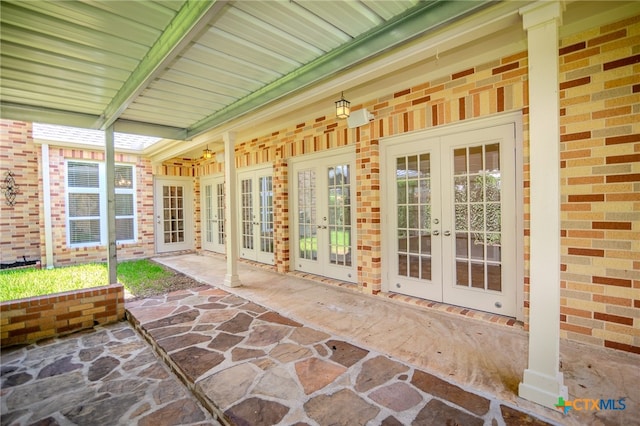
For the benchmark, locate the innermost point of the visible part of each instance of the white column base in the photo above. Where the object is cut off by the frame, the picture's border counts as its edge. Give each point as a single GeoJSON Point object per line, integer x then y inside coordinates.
{"type": "Point", "coordinates": [542, 389]}
{"type": "Point", "coordinates": [232, 280]}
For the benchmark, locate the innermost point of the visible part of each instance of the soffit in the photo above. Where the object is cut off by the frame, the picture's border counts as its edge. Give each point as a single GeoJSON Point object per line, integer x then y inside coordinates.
{"type": "Point", "coordinates": [176, 69]}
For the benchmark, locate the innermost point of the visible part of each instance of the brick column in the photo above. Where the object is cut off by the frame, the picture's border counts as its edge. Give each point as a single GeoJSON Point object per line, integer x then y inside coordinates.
{"type": "Point", "coordinates": [281, 212]}
{"type": "Point", "coordinates": [368, 215]}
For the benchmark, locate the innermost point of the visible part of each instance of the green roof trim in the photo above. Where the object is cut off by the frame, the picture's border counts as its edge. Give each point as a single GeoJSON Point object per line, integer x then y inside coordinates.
{"type": "Point", "coordinates": [188, 20]}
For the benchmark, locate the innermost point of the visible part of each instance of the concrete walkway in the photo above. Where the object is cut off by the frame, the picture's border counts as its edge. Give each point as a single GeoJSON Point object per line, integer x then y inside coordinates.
{"type": "Point", "coordinates": [312, 352]}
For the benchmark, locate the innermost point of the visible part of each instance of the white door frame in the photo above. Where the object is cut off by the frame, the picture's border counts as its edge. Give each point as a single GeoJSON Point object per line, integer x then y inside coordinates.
{"type": "Point", "coordinates": [514, 118]}
{"type": "Point", "coordinates": [187, 184]}
{"type": "Point", "coordinates": [213, 180]}
{"type": "Point", "coordinates": [344, 273]}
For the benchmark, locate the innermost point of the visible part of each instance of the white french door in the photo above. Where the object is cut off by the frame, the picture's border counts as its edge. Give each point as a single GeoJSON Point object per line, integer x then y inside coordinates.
{"type": "Point", "coordinates": [256, 215]}
{"type": "Point", "coordinates": [173, 205]}
{"type": "Point", "coordinates": [323, 219]}
{"type": "Point", "coordinates": [415, 218]}
{"type": "Point", "coordinates": [450, 227]}
{"type": "Point", "coordinates": [212, 216]}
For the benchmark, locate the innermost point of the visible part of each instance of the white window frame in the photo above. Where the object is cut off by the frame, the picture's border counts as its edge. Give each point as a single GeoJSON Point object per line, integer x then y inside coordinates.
{"type": "Point", "coordinates": [127, 191]}
{"type": "Point", "coordinates": [101, 191]}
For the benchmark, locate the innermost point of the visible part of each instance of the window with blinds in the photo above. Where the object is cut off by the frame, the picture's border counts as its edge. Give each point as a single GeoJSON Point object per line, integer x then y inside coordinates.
{"type": "Point", "coordinates": [125, 203]}
{"type": "Point", "coordinates": [86, 203]}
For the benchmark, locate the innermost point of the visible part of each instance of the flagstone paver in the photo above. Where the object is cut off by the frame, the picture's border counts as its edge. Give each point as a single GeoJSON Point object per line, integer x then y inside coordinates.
{"type": "Point", "coordinates": [228, 386]}
{"type": "Point", "coordinates": [437, 412]}
{"type": "Point", "coordinates": [450, 392]}
{"type": "Point", "coordinates": [397, 396]}
{"type": "Point", "coordinates": [195, 361]}
{"type": "Point", "coordinates": [345, 353]}
{"type": "Point", "coordinates": [315, 373]}
{"type": "Point", "coordinates": [256, 411]}
{"type": "Point", "coordinates": [344, 407]}
{"type": "Point", "coordinates": [376, 371]}
{"type": "Point", "coordinates": [257, 367]}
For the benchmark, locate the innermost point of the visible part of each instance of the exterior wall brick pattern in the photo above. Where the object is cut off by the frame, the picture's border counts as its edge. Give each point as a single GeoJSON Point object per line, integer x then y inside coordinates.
{"type": "Point", "coordinates": [600, 173]}
{"type": "Point", "coordinates": [28, 320]}
{"type": "Point", "coordinates": [20, 223]}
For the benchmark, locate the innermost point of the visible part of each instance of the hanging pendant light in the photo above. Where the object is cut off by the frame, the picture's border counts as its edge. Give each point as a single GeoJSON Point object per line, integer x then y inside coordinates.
{"type": "Point", "coordinates": [342, 107]}
{"type": "Point", "coordinates": [207, 153]}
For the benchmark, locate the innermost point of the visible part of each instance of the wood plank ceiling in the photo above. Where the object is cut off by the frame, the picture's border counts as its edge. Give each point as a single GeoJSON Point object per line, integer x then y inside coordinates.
{"type": "Point", "coordinates": [178, 68]}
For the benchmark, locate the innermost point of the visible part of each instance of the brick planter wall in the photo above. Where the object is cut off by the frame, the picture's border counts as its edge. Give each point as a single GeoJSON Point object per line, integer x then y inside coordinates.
{"type": "Point", "coordinates": [29, 320]}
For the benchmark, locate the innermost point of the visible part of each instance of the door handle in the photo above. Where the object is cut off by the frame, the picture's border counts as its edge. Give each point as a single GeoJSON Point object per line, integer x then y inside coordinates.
{"type": "Point", "coordinates": [435, 232]}
{"type": "Point", "coordinates": [447, 233]}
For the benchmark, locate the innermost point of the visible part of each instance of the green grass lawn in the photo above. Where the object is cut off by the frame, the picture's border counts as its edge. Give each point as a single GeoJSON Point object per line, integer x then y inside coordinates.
{"type": "Point", "coordinates": [137, 276]}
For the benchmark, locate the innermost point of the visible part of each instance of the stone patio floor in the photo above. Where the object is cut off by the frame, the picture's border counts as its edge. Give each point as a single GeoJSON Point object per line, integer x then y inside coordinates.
{"type": "Point", "coordinates": [289, 351]}
{"type": "Point", "coordinates": [253, 366]}
{"type": "Point", "coordinates": [105, 376]}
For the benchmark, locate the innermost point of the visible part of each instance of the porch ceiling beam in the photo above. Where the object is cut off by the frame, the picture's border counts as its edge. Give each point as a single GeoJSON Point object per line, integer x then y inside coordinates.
{"type": "Point", "coordinates": [33, 114]}
{"type": "Point", "coordinates": [424, 17]}
{"type": "Point", "coordinates": [192, 18]}
{"type": "Point", "coordinates": [13, 111]}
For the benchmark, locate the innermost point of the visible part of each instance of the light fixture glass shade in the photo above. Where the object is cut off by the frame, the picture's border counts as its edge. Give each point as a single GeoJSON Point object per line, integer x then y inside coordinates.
{"type": "Point", "coordinates": [207, 153]}
{"type": "Point", "coordinates": [342, 107]}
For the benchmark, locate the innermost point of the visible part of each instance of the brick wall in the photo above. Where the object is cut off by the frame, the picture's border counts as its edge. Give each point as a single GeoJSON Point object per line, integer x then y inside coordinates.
{"type": "Point", "coordinates": [600, 160]}
{"type": "Point", "coordinates": [490, 88]}
{"type": "Point", "coordinates": [20, 223]}
{"type": "Point", "coordinates": [28, 320]}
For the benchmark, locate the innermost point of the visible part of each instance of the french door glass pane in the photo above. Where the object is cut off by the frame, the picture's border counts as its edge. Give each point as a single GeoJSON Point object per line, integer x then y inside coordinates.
{"type": "Point", "coordinates": [477, 216]}
{"type": "Point", "coordinates": [308, 240]}
{"type": "Point", "coordinates": [413, 213]}
{"type": "Point", "coordinates": [266, 214]}
{"type": "Point", "coordinates": [208, 197]}
{"type": "Point", "coordinates": [246, 195]}
{"type": "Point", "coordinates": [339, 225]}
{"type": "Point", "coordinates": [173, 213]}
{"type": "Point", "coordinates": [221, 216]}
